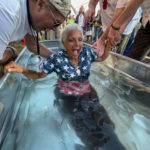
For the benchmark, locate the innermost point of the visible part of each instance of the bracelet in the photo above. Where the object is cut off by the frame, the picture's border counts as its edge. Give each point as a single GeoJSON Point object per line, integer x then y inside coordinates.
{"type": "Point", "coordinates": [115, 28]}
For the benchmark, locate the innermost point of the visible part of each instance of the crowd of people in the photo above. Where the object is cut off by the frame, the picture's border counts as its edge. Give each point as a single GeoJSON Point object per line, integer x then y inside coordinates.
{"type": "Point", "coordinates": [91, 29]}
{"type": "Point", "coordinates": [96, 26]}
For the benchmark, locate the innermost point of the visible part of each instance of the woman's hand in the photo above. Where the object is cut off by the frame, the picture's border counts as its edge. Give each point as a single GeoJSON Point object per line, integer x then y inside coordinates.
{"type": "Point", "coordinates": [13, 67]}
{"type": "Point", "coordinates": [100, 44]}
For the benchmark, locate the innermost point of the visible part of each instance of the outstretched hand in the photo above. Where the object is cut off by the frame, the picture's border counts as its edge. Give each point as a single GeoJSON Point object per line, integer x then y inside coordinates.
{"type": "Point", "coordinates": [103, 48]}
{"type": "Point", "coordinates": [100, 44]}
{"type": "Point", "coordinates": [13, 67]}
{"type": "Point", "coordinates": [106, 51]}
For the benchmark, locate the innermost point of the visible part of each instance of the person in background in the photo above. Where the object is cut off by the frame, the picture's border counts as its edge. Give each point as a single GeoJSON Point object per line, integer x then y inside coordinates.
{"type": "Point", "coordinates": [24, 19]}
{"type": "Point", "coordinates": [70, 19]}
{"type": "Point", "coordinates": [140, 47]}
{"type": "Point", "coordinates": [97, 26]}
{"type": "Point", "coordinates": [110, 10]}
{"type": "Point", "coordinates": [89, 30]}
{"type": "Point", "coordinates": [81, 21]}
{"type": "Point", "coordinates": [74, 94]}
{"type": "Point", "coordinates": [55, 34]}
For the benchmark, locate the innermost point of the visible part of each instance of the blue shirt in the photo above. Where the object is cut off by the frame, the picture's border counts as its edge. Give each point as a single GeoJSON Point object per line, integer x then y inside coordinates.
{"type": "Point", "coordinates": [60, 63]}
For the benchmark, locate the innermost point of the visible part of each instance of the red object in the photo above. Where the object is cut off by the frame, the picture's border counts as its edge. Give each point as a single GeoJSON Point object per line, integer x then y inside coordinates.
{"type": "Point", "coordinates": [104, 4]}
{"type": "Point", "coordinates": [22, 41]}
{"type": "Point", "coordinates": [73, 88]}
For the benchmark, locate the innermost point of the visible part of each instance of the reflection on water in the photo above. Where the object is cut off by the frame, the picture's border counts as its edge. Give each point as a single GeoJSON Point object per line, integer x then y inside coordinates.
{"type": "Point", "coordinates": [126, 100]}
{"type": "Point", "coordinates": [119, 118]}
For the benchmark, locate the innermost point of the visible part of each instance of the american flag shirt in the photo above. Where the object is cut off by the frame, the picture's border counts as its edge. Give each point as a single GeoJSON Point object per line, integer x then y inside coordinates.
{"type": "Point", "coordinates": [60, 63]}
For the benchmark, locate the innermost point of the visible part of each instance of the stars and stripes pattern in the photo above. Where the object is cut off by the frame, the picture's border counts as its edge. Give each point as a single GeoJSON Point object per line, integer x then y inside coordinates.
{"type": "Point", "coordinates": [60, 63]}
{"type": "Point", "coordinates": [73, 88]}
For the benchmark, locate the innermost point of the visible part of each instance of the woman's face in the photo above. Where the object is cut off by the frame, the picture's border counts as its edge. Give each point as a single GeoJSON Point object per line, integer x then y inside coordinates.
{"type": "Point", "coordinates": [73, 44]}
{"type": "Point", "coordinates": [81, 10]}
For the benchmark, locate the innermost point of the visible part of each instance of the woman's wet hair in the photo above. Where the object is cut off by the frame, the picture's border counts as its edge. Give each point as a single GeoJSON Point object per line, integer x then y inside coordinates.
{"type": "Point", "coordinates": [68, 29]}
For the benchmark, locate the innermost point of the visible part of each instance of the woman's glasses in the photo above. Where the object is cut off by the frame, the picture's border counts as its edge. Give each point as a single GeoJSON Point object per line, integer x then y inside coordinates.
{"type": "Point", "coordinates": [56, 22]}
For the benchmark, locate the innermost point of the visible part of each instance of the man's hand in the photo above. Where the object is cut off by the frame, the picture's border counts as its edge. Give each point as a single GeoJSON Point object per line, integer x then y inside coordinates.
{"type": "Point", "coordinates": [114, 37]}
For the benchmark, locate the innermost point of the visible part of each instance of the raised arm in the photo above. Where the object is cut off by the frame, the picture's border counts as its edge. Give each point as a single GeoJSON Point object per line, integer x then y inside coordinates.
{"type": "Point", "coordinates": [74, 10]}
{"type": "Point", "coordinates": [91, 9]}
{"type": "Point", "coordinates": [92, 3]}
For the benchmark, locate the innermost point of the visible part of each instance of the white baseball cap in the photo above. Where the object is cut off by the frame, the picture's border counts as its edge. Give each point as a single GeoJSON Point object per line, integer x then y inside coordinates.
{"type": "Point", "coordinates": [63, 6]}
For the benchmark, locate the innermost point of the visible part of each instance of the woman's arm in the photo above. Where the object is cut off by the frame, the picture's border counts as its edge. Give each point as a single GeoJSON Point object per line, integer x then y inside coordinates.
{"type": "Point", "coordinates": [14, 67]}
{"type": "Point", "coordinates": [106, 52]}
{"type": "Point", "coordinates": [129, 12]}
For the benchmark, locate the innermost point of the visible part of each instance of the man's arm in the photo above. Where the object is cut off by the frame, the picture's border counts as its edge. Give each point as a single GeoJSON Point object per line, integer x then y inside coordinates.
{"type": "Point", "coordinates": [117, 12]}
{"type": "Point", "coordinates": [101, 42]}
{"type": "Point", "coordinates": [74, 10]}
{"type": "Point", "coordinates": [31, 45]}
{"type": "Point", "coordinates": [130, 10]}
{"type": "Point", "coordinates": [91, 10]}
{"type": "Point", "coordinates": [92, 3]}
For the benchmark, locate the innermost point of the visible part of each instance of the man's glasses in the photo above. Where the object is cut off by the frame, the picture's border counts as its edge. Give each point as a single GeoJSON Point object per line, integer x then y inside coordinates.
{"type": "Point", "coordinates": [56, 22]}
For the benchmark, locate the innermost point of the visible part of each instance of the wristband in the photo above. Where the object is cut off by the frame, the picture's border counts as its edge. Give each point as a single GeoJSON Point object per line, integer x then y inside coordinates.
{"type": "Point", "coordinates": [115, 28]}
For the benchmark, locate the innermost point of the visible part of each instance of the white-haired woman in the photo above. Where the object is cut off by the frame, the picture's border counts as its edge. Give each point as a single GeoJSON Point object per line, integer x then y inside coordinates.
{"type": "Point", "coordinates": [72, 64]}
{"type": "Point", "coordinates": [75, 98]}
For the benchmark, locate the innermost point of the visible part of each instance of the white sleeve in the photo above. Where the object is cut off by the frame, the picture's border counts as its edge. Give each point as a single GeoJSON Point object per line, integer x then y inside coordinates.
{"type": "Point", "coordinates": [122, 3]}
{"type": "Point", "coordinates": [7, 27]}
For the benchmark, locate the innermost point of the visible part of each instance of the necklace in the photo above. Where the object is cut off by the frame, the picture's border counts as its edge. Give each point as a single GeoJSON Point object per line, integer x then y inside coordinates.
{"type": "Point", "coordinates": [78, 71]}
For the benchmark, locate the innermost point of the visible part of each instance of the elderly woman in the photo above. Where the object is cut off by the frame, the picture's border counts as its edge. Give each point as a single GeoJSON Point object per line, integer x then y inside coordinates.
{"type": "Point", "coordinates": [75, 98]}
{"type": "Point", "coordinates": [72, 64]}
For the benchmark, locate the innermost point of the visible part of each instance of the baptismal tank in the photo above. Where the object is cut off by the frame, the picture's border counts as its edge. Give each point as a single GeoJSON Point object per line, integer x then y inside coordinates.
{"type": "Point", "coordinates": [31, 118]}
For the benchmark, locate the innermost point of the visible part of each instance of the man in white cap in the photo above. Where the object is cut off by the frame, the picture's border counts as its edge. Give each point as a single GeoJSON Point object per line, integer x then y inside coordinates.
{"type": "Point", "coordinates": [21, 18]}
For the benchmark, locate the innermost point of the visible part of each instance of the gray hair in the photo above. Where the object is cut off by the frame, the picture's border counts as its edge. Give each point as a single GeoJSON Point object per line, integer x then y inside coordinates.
{"type": "Point", "coordinates": [68, 29]}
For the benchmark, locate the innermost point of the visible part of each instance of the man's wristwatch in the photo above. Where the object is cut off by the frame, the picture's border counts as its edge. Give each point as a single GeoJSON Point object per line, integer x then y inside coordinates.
{"type": "Point", "coordinates": [115, 28]}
